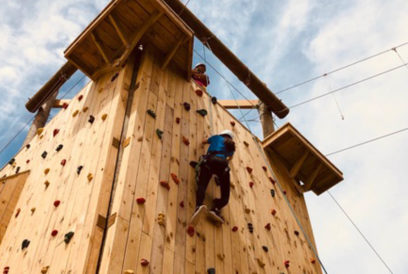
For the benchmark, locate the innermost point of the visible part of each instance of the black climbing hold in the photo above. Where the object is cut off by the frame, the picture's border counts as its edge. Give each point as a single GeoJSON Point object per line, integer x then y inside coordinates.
{"type": "Point", "coordinates": [28, 146]}
{"type": "Point", "coordinates": [159, 133]}
{"type": "Point", "coordinates": [79, 169]}
{"type": "Point", "coordinates": [273, 193]}
{"type": "Point", "coordinates": [44, 154]}
{"type": "Point", "coordinates": [114, 76]}
{"type": "Point", "coordinates": [68, 237]}
{"type": "Point", "coordinates": [186, 106]}
{"type": "Point", "coordinates": [265, 248]}
{"type": "Point", "coordinates": [193, 164]}
{"type": "Point", "coordinates": [91, 119]}
{"type": "Point", "coordinates": [59, 147]}
{"type": "Point", "coordinates": [17, 169]}
{"type": "Point", "coordinates": [12, 161]}
{"type": "Point", "coordinates": [25, 244]}
{"type": "Point", "coordinates": [202, 112]}
{"type": "Point", "coordinates": [250, 227]}
{"type": "Point", "coordinates": [151, 113]}
{"type": "Point", "coordinates": [211, 270]}
{"type": "Point", "coordinates": [214, 100]}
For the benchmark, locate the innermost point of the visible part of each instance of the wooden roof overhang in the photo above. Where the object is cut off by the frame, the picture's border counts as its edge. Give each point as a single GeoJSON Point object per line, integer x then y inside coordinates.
{"type": "Point", "coordinates": [110, 38]}
{"type": "Point", "coordinates": [303, 161]}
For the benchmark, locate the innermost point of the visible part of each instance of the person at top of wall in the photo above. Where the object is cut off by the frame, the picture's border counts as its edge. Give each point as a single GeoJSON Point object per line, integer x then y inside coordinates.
{"type": "Point", "coordinates": [198, 74]}
{"type": "Point", "coordinates": [215, 162]}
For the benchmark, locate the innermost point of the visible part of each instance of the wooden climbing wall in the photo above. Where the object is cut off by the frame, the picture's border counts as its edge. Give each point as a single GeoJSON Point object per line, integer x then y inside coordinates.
{"type": "Point", "coordinates": [67, 189]}
{"type": "Point", "coordinates": [152, 219]}
{"type": "Point", "coordinates": [148, 186]}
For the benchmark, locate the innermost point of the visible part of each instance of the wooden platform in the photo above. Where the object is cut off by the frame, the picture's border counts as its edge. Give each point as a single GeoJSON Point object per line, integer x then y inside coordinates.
{"type": "Point", "coordinates": [303, 161]}
{"type": "Point", "coordinates": [109, 39]}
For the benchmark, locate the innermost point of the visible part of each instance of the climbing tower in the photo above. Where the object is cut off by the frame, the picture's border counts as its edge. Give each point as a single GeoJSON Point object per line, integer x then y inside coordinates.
{"type": "Point", "coordinates": [106, 185]}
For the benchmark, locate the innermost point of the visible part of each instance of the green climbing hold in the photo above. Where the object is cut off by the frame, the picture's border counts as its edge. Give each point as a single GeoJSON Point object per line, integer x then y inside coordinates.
{"type": "Point", "coordinates": [159, 133]}
{"type": "Point", "coordinates": [68, 237]}
{"type": "Point", "coordinates": [151, 113]}
{"type": "Point", "coordinates": [202, 112]}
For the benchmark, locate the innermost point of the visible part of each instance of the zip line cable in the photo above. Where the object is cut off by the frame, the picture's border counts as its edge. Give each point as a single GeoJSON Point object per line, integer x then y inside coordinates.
{"type": "Point", "coordinates": [32, 118]}
{"type": "Point", "coordinates": [339, 69]}
{"type": "Point", "coordinates": [367, 141]}
{"type": "Point", "coordinates": [360, 232]}
{"type": "Point", "coordinates": [400, 57]}
{"type": "Point", "coordinates": [347, 86]}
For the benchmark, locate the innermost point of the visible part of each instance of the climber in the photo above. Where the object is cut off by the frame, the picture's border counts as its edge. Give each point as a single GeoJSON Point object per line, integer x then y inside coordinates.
{"type": "Point", "coordinates": [198, 74]}
{"type": "Point", "coordinates": [215, 162]}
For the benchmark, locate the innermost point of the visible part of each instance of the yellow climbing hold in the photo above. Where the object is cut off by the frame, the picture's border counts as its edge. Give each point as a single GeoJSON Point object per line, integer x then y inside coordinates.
{"type": "Point", "coordinates": [32, 210]}
{"type": "Point", "coordinates": [46, 171]}
{"type": "Point", "coordinates": [90, 177]}
{"type": "Point", "coordinates": [85, 109]}
{"type": "Point", "coordinates": [75, 113]}
{"type": "Point", "coordinates": [40, 130]}
{"type": "Point", "coordinates": [129, 271]}
{"type": "Point", "coordinates": [161, 219]}
{"type": "Point", "coordinates": [45, 269]}
{"type": "Point", "coordinates": [104, 116]}
{"type": "Point", "coordinates": [46, 183]}
{"type": "Point", "coordinates": [126, 142]}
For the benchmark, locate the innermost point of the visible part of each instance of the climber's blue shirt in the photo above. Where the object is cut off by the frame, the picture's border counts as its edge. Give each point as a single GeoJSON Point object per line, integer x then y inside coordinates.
{"type": "Point", "coordinates": [217, 144]}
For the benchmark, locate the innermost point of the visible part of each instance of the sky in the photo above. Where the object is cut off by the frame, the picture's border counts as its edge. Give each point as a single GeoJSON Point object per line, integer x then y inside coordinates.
{"type": "Point", "coordinates": [283, 43]}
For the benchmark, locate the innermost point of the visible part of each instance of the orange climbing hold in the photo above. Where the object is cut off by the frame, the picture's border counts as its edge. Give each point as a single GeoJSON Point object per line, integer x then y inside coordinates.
{"type": "Point", "coordinates": [246, 143]}
{"type": "Point", "coordinates": [17, 212]}
{"type": "Point", "coordinates": [175, 179]}
{"type": "Point", "coordinates": [90, 177]}
{"type": "Point", "coordinates": [232, 123]}
{"type": "Point", "coordinates": [190, 231]}
{"type": "Point", "coordinates": [165, 184]}
{"type": "Point", "coordinates": [63, 162]}
{"type": "Point", "coordinates": [104, 116]}
{"type": "Point", "coordinates": [46, 183]}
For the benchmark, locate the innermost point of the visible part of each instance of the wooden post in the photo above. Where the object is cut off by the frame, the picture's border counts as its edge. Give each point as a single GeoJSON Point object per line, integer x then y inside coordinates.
{"type": "Point", "coordinates": [41, 117]}
{"type": "Point", "coordinates": [266, 118]}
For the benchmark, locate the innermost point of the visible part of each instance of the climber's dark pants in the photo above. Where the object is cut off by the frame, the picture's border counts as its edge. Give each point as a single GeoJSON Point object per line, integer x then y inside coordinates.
{"type": "Point", "coordinates": [212, 165]}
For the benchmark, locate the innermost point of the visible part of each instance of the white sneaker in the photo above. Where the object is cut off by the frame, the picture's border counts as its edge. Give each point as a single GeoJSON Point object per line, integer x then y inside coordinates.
{"type": "Point", "coordinates": [215, 216]}
{"type": "Point", "coordinates": [197, 213]}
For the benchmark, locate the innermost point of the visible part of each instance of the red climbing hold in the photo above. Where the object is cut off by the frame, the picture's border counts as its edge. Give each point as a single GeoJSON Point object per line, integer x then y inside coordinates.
{"type": "Point", "coordinates": [232, 123]}
{"type": "Point", "coordinates": [312, 260]}
{"type": "Point", "coordinates": [17, 212]}
{"type": "Point", "coordinates": [63, 162]}
{"type": "Point", "coordinates": [286, 263]}
{"type": "Point", "coordinates": [190, 231]}
{"type": "Point", "coordinates": [57, 203]}
{"type": "Point", "coordinates": [186, 141]}
{"type": "Point", "coordinates": [251, 184]}
{"type": "Point", "coordinates": [55, 132]}
{"type": "Point", "coordinates": [175, 179]}
{"type": "Point", "coordinates": [27, 161]}
{"type": "Point", "coordinates": [64, 105]}
{"type": "Point", "coordinates": [296, 232]}
{"type": "Point", "coordinates": [140, 200]}
{"type": "Point", "coordinates": [273, 212]}
{"type": "Point", "coordinates": [235, 228]}
{"type": "Point", "coordinates": [249, 169]}
{"type": "Point", "coordinates": [6, 269]}
{"type": "Point", "coordinates": [284, 192]}
{"type": "Point", "coordinates": [165, 184]}
{"type": "Point", "coordinates": [268, 226]}
{"type": "Point", "coordinates": [177, 120]}
{"type": "Point", "coordinates": [80, 97]}
{"type": "Point", "coordinates": [264, 168]}
{"type": "Point", "coordinates": [54, 233]}
{"type": "Point", "coordinates": [144, 262]}
{"type": "Point", "coordinates": [182, 204]}
{"type": "Point", "coordinates": [272, 180]}
{"type": "Point", "coordinates": [199, 92]}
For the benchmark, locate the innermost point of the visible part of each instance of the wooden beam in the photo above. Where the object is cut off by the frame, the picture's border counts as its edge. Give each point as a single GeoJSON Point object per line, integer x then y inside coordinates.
{"type": "Point", "coordinates": [118, 30]}
{"type": "Point", "coordinates": [100, 49]}
{"type": "Point", "coordinates": [296, 167]}
{"type": "Point", "coordinates": [60, 103]}
{"type": "Point", "coordinates": [146, 26]}
{"type": "Point", "coordinates": [243, 104]}
{"type": "Point", "coordinates": [173, 51]}
{"type": "Point", "coordinates": [309, 182]}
